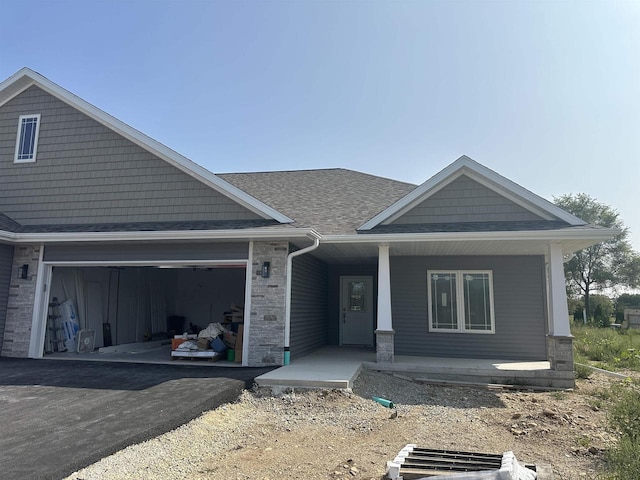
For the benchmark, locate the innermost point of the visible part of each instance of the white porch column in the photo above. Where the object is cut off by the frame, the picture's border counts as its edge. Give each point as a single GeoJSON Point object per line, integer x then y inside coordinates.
{"type": "Point", "coordinates": [559, 340]}
{"type": "Point", "coordinates": [384, 331]}
{"type": "Point", "coordinates": [558, 309]}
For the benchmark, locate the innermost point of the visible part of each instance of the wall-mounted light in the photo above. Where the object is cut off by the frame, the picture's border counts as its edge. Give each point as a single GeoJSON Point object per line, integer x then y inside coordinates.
{"type": "Point", "coordinates": [23, 272]}
{"type": "Point", "coordinates": [266, 269]}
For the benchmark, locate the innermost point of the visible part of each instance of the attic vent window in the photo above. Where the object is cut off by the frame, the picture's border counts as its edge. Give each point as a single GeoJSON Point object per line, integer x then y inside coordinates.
{"type": "Point", "coordinates": [27, 141]}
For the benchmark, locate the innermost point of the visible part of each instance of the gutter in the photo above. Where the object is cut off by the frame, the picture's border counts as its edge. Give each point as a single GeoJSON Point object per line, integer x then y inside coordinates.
{"type": "Point", "coordinates": [287, 307]}
{"type": "Point", "coordinates": [233, 234]}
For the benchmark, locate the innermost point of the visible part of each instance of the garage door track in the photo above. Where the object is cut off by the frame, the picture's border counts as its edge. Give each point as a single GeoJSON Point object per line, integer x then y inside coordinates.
{"type": "Point", "coordinates": [59, 416]}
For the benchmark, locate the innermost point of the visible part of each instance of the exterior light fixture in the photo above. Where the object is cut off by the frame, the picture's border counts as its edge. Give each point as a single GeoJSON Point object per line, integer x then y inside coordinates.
{"type": "Point", "coordinates": [23, 272]}
{"type": "Point", "coordinates": [266, 269]}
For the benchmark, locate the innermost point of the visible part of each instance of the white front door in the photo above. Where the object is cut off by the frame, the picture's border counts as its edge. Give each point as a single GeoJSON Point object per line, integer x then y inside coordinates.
{"type": "Point", "coordinates": [356, 310]}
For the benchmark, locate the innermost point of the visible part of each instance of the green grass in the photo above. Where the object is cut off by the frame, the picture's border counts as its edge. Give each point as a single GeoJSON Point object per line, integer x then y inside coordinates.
{"type": "Point", "coordinates": [614, 350]}
{"type": "Point", "coordinates": [607, 348]}
{"type": "Point", "coordinates": [623, 460]}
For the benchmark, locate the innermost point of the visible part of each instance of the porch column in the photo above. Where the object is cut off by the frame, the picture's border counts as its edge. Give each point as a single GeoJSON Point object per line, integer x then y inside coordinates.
{"type": "Point", "coordinates": [384, 330]}
{"type": "Point", "coordinates": [559, 339]}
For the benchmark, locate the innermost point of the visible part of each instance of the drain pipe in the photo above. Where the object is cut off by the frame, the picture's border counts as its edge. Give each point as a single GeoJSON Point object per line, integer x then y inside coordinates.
{"type": "Point", "coordinates": [287, 306]}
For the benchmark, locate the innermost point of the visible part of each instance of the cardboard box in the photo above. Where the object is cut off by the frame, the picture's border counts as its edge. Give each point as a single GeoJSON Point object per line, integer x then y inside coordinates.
{"type": "Point", "coordinates": [203, 343]}
{"type": "Point", "coordinates": [229, 339]}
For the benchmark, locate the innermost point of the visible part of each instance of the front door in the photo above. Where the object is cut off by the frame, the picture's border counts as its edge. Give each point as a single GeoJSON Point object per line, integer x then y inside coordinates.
{"type": "Point", "coordinates": [356, 311]}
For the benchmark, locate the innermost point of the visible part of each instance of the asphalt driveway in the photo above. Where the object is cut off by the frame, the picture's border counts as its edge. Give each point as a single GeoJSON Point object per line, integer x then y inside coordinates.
{"type": "Point", "coordinates": [59, 416]}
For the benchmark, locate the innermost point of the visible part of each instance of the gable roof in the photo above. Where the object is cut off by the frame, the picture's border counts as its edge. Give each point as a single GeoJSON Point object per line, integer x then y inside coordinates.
{"type": "Point", "coordinates": [331, 201]}
{"type": "Point", "coordinates": [26, 77]}
{"type": "Point", "coordinates": [487, 177]}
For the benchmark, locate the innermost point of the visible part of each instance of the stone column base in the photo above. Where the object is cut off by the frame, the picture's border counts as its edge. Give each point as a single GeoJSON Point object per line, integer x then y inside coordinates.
{"type": "Point", "coordinates": [560, 352]}
{"type": "Point", "coordinates": [384, 346]}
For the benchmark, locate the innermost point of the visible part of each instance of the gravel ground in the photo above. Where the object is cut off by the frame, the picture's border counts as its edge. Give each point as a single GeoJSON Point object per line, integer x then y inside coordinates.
{"type": "Point", "coordinates": [339, 435]}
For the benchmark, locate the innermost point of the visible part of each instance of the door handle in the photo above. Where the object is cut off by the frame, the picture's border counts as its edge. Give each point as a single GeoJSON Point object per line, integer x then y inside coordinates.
{"type": "Point", "coordinates": [344, 315]}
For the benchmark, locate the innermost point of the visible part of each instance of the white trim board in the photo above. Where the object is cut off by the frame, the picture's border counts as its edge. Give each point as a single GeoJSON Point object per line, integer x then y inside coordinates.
{"type": "Point", "coordinates": [45, 275]}
{"type": "Point", "coordinates": [162, 151]}
{"type": "Point", "coordinates": [241, 235]}
{"type": "Point", "coordinates": [487, 177]}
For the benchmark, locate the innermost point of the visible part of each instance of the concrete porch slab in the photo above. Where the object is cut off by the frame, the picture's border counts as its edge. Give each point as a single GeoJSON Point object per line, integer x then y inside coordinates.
{"type": "Point", "coordinates": [338, 367]}
{"type": "Point", "coordinates": [328, 367]}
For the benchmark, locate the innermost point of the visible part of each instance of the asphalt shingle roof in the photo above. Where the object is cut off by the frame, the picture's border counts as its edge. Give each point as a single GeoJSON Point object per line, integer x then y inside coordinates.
{"type": "Point", "coordinates": [151, 226]}
{"type": "Point", "coordinates": [8, 224]}
{"type": "Point", "coordinates": [332, 201]}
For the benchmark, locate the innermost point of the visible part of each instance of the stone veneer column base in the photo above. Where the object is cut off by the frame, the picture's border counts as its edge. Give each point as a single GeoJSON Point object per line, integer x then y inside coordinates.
{"type": "Point", "coordinates": [560, 352]}
{"type": "Point", "coordinates": [384, 346]}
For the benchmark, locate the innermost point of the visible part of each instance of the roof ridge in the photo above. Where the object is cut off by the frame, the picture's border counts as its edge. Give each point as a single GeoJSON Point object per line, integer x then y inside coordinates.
{"type": "Point", "coordinates": [319, 170]}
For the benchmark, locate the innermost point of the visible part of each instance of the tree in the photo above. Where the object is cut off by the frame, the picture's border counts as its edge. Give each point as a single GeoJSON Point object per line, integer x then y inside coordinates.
{"type": "Point", "coordinates": [606, 265]}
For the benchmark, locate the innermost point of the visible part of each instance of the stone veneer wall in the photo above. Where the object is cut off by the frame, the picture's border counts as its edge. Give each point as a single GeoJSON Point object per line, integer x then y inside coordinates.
{"type": "Point", "coordinates": [17, 331]}
{"type": "Point", "coordinates": [266, 330]}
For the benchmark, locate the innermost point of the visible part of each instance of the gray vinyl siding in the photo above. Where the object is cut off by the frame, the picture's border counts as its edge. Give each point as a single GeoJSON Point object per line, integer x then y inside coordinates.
{"type": "Point", "coordinates": [146, 252]}
{"type": "Point", "coordinates": [309, 289]}
{"type": "Point", "coordinates": [6, 259]}
{"type": "Point", "coordinates": [86, 173]}
{"type": "Point", "coordinates": [465, 200]}
{"type": "Point", "coordinates": [519, 301]}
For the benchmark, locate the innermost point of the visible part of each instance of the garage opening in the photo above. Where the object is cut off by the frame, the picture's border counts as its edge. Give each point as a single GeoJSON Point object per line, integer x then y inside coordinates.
{"type": "Point", "coordinates": [134, 308]}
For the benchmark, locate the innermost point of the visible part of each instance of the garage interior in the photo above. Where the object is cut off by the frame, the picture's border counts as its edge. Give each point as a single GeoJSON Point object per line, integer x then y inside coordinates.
{"type": "Point", "coordinates": [137, 305]}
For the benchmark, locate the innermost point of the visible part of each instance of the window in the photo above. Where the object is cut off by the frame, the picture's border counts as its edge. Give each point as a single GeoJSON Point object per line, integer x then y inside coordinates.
{"type": "Point", "coordinates": [357, 298]}
{"type": "Point", "coordinates": [27, 141]}
{"type": "Point", "coordinates": [460, 301]}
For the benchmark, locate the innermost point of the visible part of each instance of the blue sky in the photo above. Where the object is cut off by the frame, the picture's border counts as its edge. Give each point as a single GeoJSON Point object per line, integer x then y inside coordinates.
{"type": "Point", "coordinates": [545, 93]}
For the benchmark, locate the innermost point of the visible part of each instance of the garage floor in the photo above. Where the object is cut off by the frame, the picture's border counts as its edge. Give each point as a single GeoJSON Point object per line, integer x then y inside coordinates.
{"type": "Point", "coordinates": [159, 355]}
{"type": "Point", "coordinates": [59, 416]}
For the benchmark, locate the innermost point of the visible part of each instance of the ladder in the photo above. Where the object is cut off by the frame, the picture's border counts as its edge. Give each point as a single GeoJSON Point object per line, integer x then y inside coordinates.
{"type": "Point", "coordinates": [54, 341]}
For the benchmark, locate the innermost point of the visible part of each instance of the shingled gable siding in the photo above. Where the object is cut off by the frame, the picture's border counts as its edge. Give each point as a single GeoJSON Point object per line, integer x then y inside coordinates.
{"type": "Point", "coordinates": [465, 200]}
{"type": "Point", "coordinates": [86, 173]}
{"type": "Point", "coordinates": [520, 315]}
{"type": "Point", "coordinates": [17, 331]}
{"type": "Point", "coordinates": [266, 330]}
{"type": "Point", "coordinates": [6, 259]}
{"type": "Point", "coordinates": [309, 289]}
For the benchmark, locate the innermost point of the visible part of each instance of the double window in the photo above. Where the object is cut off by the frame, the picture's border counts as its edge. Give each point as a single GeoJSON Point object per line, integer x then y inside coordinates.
{"type": "Point", "coordinates": [27, 141]}
{"type": "Point", "coordinates": [460, 301]}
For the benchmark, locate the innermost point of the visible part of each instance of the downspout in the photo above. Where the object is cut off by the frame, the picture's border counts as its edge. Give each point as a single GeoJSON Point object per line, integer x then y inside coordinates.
{"type": "Point", "coordinates": [287, 307]}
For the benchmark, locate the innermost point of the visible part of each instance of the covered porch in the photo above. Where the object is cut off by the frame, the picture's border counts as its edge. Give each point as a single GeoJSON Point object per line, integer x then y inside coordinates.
{"type": "Point", "coordinates": [510, 354]}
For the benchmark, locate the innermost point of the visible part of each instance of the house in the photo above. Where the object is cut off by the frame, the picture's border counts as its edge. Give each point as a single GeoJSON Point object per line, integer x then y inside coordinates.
{"type": "Point", "coordinates": [468, 264]}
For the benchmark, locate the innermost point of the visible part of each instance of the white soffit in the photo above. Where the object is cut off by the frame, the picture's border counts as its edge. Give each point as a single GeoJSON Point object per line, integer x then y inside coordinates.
{"type": "Point", "coordinates": [25, 77]}
{"type": "Point", "coordinates": [483, 175]}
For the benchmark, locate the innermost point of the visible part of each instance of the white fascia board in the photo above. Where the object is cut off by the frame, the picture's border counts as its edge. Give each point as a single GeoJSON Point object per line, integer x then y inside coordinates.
{"type": "Point", "coordinates": [162, 151]}
{"type": "Point", "coordinates": [550, 235]}
{"type": "Point", "coordinates": [184, 235]}
{"type": "Point", "coordinates": [461, 166]}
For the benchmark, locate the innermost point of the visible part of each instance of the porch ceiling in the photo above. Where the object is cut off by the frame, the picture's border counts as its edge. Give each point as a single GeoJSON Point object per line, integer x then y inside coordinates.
{"type": "Point", "coordinates": [342, 252]}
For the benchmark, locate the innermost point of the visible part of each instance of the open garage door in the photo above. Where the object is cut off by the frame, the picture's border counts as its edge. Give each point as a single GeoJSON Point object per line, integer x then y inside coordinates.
{"type": "Point", "coordinates": [129, 304]}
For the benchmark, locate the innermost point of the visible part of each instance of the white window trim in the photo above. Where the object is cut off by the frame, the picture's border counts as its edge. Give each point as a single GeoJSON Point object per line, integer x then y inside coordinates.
{"type": "Point", "coordinates": [460, 302]}
{"type": "Point", "coordinates": [35, 143]}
